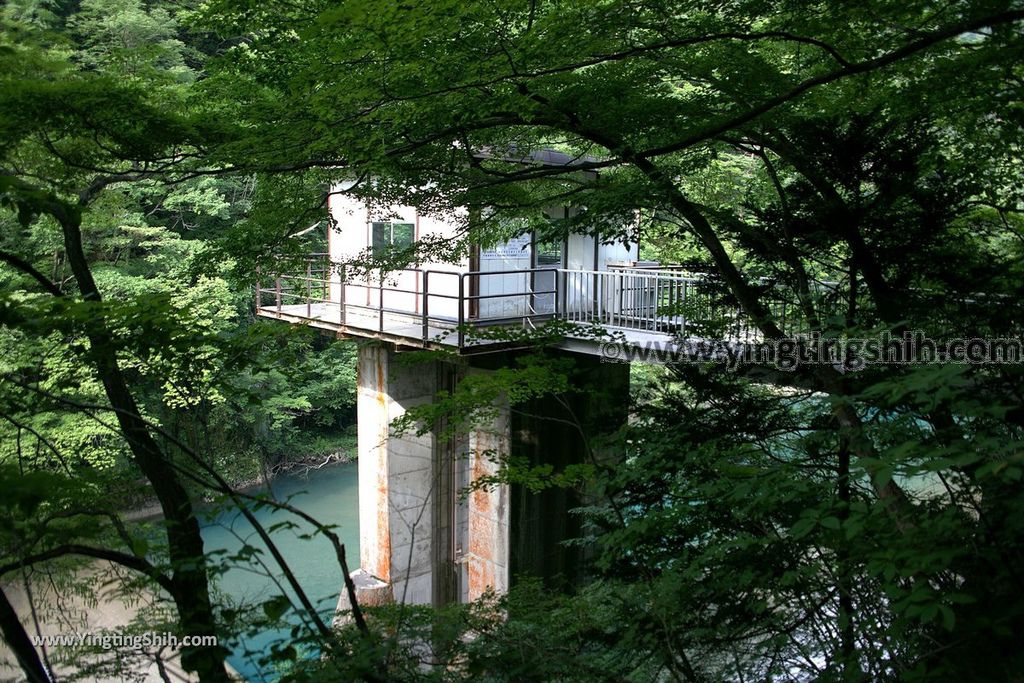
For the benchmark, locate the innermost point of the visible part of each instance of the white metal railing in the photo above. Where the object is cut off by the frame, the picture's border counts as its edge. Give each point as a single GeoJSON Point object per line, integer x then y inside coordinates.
{"type": "Point", "coordinates": [430, 305]}
{"type": "Point", "coordinates": [655, 301]}
{"type": "Point", "coordinates": [434, 305]}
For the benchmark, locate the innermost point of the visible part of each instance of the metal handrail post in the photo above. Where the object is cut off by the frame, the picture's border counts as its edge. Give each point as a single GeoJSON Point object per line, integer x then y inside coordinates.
{"type": "Point", "coordinates": [380, 303]}
{"type": "Point", "coordinates": [556, 297]}
{"type": "Point", "coordinates": [564, 293]}
{"type": "Point", "coordinates": [684, 308]}
{"type": "Point", "coordinates": [259, 292]}
{"type": "Point", "coordinates": [426, 305]}
{"type": "Point", "coordinates": [341, 295]}
{"type": "Point", "coordinates": [309, 289]}
{"type": "Point", "coordinates": [462, 310]}
{"type": "Point", "coordinates": [655, 303]}
{"type": "Point", "coordinates": [277, 288]}
{"type": "Point", "coordinates": [621, 284]}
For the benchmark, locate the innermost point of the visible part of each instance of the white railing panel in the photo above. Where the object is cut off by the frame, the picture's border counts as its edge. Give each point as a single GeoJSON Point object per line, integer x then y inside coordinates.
{"type": "Point", "coordinates": [662, 301]}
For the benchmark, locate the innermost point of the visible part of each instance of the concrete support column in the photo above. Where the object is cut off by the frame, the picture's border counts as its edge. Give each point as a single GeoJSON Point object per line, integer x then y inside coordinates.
{"type": "Point", "coordinates": [559, 432]}
{"type": "Point", "coordinates": [420, 542]}
{"type": "Point", "coordinates": [486, 559]}
{"type": "Point", "coordinates": [398, 476]}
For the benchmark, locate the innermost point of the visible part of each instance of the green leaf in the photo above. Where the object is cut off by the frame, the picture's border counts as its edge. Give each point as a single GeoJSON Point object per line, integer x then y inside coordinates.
{"type": "Point", "coordinates": [276, 607]}
{"type": "Point", "coordinates": [830, 522]}
{"type": "Point", "coordinates": [948, 617]}
{"type": "Point", "coordinates": [140, 546]}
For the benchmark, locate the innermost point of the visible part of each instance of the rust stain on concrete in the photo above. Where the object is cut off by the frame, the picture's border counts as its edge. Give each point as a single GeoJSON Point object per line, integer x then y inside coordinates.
{"type": "Point", "coordinates": [481, 578]}
{"type": "Point", "coordinates": [482, 525]}
{"type": "Point", "coordinates": [480, 529]}
{"type": "Point", "coordinates": [381, 396]}
{"type": "Point", "coordinates": [481, 497]}
{"type": "Point", "coordinates": [383, 569]}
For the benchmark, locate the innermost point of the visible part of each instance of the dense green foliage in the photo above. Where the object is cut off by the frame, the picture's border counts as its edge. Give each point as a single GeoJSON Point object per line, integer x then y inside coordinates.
{"type": "Point", "coordinates": [118, 301]}
{"type": "Point", "coordinates": [812, 524]}
{"type": "Point", "coordinates": [273, 395]}
{"type": "Point", "coordinates": [860, 160]}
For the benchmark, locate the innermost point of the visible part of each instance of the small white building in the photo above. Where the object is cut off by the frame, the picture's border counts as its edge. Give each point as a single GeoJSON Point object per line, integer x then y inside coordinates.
{"type": "Point", "coordinates": [521, 278]}
{"type": "Point", "coordinates": [522, 282]}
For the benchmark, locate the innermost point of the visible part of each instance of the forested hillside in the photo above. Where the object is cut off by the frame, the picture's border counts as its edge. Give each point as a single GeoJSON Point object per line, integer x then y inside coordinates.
{"type": "Point", "coordinates": [273, 395]}
{"type": "Point", "coordinates": [848, 170]}
{"type": "Point", "coordinates": [131, 361]}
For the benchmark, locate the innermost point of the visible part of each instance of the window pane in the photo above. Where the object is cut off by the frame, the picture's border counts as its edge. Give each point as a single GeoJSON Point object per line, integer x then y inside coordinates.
{"type": "Point", "coordinates": [380, 238]}
{"type": "Point", "coordinates": [401, 235]}
{"type": "Point", "coordinates": [549, 254]}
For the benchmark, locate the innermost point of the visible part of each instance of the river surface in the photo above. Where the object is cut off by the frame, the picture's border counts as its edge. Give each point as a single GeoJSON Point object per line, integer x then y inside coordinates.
{"type": "Point", "coordinates": [329, 495]}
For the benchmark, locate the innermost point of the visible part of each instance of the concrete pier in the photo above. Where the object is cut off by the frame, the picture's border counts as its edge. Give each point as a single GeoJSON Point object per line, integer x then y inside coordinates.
{"type": "Point", "coordinates": [418, 537]}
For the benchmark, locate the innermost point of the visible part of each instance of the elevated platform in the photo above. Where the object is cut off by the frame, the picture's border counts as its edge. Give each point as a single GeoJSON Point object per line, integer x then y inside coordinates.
{"type": "Point", "coordinates": [626, 314]}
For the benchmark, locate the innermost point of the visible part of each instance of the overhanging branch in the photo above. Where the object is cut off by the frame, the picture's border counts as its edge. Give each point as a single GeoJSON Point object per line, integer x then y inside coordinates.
{"type": "Point", "coordinates": [25, 267]}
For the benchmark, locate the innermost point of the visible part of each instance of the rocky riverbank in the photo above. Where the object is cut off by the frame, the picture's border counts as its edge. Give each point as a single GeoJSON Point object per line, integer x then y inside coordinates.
{"type": "Point", "coordinates": [301, 467]}
{"type": "Point", "coordinates": [150, 508]}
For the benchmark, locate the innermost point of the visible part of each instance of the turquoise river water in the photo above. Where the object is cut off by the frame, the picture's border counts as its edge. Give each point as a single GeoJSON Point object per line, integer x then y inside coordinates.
{"type": "Point", "coordinates": [328, 495]}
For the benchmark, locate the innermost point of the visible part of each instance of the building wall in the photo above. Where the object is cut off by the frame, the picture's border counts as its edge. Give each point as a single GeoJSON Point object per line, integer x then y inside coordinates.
{"type": "Point", "coordinates": [505, 295]}
{"type": "Point", "coordinates": [350, 238]}
{"type": "Point", "coordinates": [617, 251]}
{"type": "Point", "coordinates": [514, 255]}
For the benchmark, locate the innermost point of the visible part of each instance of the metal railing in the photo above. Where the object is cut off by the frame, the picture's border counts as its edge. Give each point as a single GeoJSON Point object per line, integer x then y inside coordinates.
{"type": "Point", "coordinates": [437, 306]}
{"type": "Point", "coordinates": [397, 302]}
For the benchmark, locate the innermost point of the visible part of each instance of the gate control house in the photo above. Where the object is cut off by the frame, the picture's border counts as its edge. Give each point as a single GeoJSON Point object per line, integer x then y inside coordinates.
{"type": "Point", "coordinates": [420, 540]}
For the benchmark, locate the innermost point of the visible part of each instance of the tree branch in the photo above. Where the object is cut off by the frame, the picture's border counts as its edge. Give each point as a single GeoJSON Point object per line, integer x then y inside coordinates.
{"type": "Point", "coordinates": [850, 69]}
{"type": "Point", "coordinates": [27, 268]}
{"type": "Point", "coordinates": [139, 564]}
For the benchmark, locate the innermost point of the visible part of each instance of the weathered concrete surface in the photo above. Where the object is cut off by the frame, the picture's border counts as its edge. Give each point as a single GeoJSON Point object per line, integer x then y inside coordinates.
{"type": "Point", "coordinates": [371, 442]}
{"type": "Point", "coordinates": [399, 475]}
{"type": "Point", "coordinates": [370, 592]}
{"type": "Point", "coordinates": [416, 534]}
{"type": "Point", "coordinates": [486, 561]}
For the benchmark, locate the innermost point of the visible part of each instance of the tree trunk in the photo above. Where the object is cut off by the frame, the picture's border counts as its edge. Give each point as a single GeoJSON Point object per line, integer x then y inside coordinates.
{"type": "Point", "coordinates": [191, 591]}
{"type": "Point", "coordinates": [17, 639]}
